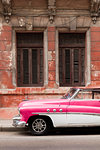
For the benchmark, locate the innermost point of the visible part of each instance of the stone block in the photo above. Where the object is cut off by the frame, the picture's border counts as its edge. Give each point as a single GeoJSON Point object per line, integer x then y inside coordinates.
{"type": "Point", "coordinates": [51, 36]}
{"type": "Point", "coordinates": [52, 84]}
{"type": "Point", "coordinates": [95, 46]}
{"type": "Point", "coordinates": [60, 21]}
{"type": "Point", "coordinates": [51, 45]}
{"type": "Point", "coordinates": [95, 84]}
{"type": "Point", "coordinates": [95, 56]}
{"type": "Point", "coordinates": [95, 75]}
{"type": "Point", "coordinates": [95, 65]}
{"type": "Point", "coordinates": [95, 36]}
{"type": "Point", "coordinates": [72, 23]}
{"type": "Point", "coordinates": [51, 29]}
{"type": "Point", "coordinates": [87, 22]}
{"type": "Point", "coordinates": [40, 21]}
{"type": "Point", "coordinates": [6, 79]}
{"type": "Point", "coordinates": [5, 64]}
{"type": "Point", "coordinates": [51, 55]}
{"type": "Point", "coordinates": [2, 46]}
{"type": "Point", "coordinates": [51, 75]}
{"type": "Point", "coordinates": [51, 65]}
{"type": "Point", "coordinates": [5, 55]}
{"type": "Point", "coordinates": [6, 28]}
{"type": "Point", "coordinates": [80, 21]}
{"type": "Point", "coordinates": [95, 29]}
{"type": "Point", "coordinates": [12, 100]}
{"type": "Point", "coordinates": [8, 113]}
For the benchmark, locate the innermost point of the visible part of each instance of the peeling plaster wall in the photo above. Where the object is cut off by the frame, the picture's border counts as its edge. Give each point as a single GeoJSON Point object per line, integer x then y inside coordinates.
{"type": "Point", "coordinates": [95, 56]}
{"type": "Point", "coordinates": [10, 94]}
{"type": "Point", "coordinates": [5, 56]}
{"type": "Point", "coordinates": [8, 83]}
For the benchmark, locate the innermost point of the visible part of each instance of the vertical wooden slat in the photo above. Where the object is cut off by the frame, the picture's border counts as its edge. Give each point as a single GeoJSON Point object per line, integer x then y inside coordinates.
{"type": "Point", "coordinates": [25, 66]}
{"type": "Point", "coordinates": [67, 66]}
{"type": "Point", "coordinates": [41, 66]}
{"type": "Point", "coordinates": [18, 67]}
{"type": "Point", "coordinates": [30, 66]}
{"type": "Point", "coordinates": [72, 66]}
{"type": "Point", "coordinates": [38, 65]}
{"type": "Point", "coordinates": [63, 67]}
{"type": "Point", "coordinates": [34, 66]}
{"type": "Point", "coordinates": [80, 66]}
{"type": "Point", "coordinates": [60, 70]}
{"type": "Point", "coordinates": [21, 67]}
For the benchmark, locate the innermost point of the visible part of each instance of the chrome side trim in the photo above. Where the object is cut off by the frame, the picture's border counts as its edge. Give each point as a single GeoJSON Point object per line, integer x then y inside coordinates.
{"type": "Point", "coordinates": [96, 114]}
{"type": "Point", "coordinates": [67, 113]}
{"type": "Point", "coordinates": [49, 113]}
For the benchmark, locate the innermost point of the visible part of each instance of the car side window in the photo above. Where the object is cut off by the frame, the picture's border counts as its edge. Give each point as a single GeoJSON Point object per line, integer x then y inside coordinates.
{"type": "Point", "coordinates": [95, 94]}
{"type": "Point", "coordinates": [87, 94]}
{"type": "Point", "coordinates": [83, 95]}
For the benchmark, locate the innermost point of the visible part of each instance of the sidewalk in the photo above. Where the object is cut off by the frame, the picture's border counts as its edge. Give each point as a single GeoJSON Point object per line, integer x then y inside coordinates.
{"type": "Point", "coordinates": [6, 126]}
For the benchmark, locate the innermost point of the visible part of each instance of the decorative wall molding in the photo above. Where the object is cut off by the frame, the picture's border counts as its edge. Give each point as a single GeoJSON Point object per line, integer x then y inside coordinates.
{"type": "Point", "coordinates": [7, 9]}
{"type": "Point", "coordinates": [26, 22]}
{"type": "Point", "coordinates": [95, 10]}
{"type": "Point", "coordinates": [29, 24]}
{"type": "Point", "coordinates": [51, 10]}
{"type": "Point", "coordinates": [21, 21]}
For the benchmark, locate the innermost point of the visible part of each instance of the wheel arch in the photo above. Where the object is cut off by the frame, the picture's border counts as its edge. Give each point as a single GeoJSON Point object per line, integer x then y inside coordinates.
{"type": "Point", "coordinates": [41, 116]}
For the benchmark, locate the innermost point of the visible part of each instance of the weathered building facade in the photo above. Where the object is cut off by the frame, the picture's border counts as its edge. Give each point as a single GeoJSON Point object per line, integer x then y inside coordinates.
{"type": "Point", "coordinates": [47, 46]}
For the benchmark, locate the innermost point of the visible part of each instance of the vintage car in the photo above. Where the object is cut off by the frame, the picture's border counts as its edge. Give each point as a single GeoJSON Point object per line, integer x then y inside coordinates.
{"type": "Point", "coordinates": [78, 107]}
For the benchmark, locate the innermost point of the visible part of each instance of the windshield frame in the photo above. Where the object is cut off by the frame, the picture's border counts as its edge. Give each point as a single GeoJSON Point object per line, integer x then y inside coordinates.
{"type": "Point", "coordinates": [76, 92]}
{"type": "Point", "coordinates": [69, 92]}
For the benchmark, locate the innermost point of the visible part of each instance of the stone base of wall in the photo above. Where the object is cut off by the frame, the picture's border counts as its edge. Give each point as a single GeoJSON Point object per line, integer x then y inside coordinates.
{"type": "Point", "coordinates": [8, 113]}
{"type": "Point", "coordinates": [12, 97]}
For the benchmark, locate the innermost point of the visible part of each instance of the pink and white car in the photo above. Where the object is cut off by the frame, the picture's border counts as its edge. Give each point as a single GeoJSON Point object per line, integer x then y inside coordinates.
{"type": "Point", "coordinates": [78, 107]}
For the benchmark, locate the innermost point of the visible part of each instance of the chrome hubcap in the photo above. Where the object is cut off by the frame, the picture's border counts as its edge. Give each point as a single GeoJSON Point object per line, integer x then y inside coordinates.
{"type": "Point", "coordinates": [39, 125]}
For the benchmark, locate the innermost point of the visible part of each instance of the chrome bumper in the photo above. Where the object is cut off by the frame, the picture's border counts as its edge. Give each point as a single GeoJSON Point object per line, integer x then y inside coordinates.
{"type": "Point", "coordinates": [17, 122]}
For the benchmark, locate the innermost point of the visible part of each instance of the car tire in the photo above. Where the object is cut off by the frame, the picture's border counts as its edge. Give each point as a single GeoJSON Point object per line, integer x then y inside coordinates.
{"type": "Point", "coordinates": [39, 126]}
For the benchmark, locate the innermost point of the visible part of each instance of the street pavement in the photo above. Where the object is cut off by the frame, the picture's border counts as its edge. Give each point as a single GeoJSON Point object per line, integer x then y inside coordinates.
{"type": "Point", "coordinates": [12, 138]}
{"type": "Point", "coordinates": [58, 141]}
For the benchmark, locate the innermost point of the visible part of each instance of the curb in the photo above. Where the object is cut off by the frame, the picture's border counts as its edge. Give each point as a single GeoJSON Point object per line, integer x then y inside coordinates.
{"type": "Point", "coordinates": [13, 129]}
{"type": "Point", "coordinates": [6, 126]}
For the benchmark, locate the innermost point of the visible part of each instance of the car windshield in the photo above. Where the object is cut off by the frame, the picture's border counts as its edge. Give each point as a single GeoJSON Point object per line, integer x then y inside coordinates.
{"type": "Point", "coordinates": [70, 93]}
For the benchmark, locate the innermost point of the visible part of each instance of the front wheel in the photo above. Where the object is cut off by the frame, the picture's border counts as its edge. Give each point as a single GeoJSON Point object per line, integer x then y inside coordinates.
{"type": "Point", "coordinates": [38, 126]}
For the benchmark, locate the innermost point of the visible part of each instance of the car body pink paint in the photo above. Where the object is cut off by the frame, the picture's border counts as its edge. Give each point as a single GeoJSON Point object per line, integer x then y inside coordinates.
{"type": "Point", "coordinates": [74, 109]}
{"type": "Point", "coordinates": [47, 106]}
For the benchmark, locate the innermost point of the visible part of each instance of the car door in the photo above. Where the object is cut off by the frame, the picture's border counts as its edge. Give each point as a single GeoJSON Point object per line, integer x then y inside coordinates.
{"type": "Point", "coordinates": [83, 112]}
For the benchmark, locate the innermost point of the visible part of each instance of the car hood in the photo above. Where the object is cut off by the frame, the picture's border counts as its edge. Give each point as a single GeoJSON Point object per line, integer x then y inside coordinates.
{"type": "Point", "coordinates": [32, 103]}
